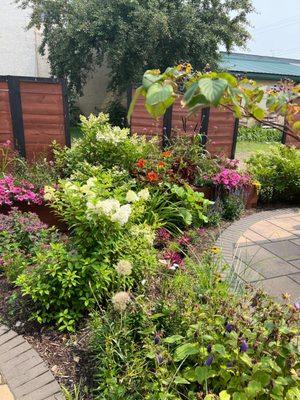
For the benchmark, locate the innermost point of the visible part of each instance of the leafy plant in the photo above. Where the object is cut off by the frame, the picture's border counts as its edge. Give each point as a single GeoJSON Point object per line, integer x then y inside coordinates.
{"type": "Point", "coordinates": [232, 206]}
{"type": "Point", "coordinates": [259, 134]}
{"type": "Point", "coordinates": [278, 171]}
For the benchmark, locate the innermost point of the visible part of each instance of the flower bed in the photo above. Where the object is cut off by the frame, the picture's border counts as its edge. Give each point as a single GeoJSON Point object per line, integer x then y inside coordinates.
{"type": "Point", "coordinates": [139, 272]}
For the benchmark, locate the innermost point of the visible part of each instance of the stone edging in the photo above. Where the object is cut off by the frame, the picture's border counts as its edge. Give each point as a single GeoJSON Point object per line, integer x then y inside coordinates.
{"type": "Point", "coordinates": [24, 371]}
{"type": "Point", "coordinates": [228, 239]}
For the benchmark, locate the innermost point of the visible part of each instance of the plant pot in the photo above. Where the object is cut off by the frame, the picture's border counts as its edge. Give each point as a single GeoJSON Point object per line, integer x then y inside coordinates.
{"type": "Point", "coordinates": [251, 197]}
{"type": "Point", "coordinates": [44, 212]}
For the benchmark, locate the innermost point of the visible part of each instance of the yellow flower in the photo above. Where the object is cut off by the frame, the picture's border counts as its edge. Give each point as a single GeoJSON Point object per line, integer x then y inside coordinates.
{"type": "Point", "coordinates": [216, 250]}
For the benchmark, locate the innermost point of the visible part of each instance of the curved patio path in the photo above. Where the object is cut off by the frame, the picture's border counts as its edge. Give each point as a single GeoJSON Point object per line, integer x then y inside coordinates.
{"type": "Point", "coordinates": [264, 250]}
{"type": "Point", "coordinates": [23, 373]}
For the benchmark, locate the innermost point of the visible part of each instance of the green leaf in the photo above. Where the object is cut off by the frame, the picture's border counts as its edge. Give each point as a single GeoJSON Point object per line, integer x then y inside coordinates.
{"type": "Point", "coordinates": [219, 348]}
{"type": "Point", "coordinates": [158, 93]}
{"type": "Point", "coordinates": [213, 89]}
{"type": "Point", "coordinates": [173, 339]}
{"type": "Point", "coordinates": [186, 350]}
{"type": "Point", "coordinates": [246, 359]}
{"type": "Point", "coordinates": [181, 381]}
{"type": "Point", "coordinates": [204, 373]}
{"type": "Point", "coordinates": [262, 377]}
{"type": "Point", "coordinates": [253, 388]}
{"type": "Point", "coordinates": [229, 78]}
{"type": "Point", "coordinates": [190, 93]}
{"type": "Point", "coordinates": [150, 79]}
{"type": "Point", "coordinates": [296, 126]}
{"type": "Point", "coordinates": [139, 92]}
{"type": "Point", "coordinates": [239, 396]}
{"type": "Point", "coordinates": [224, 395]}
{"type": "Point", "coordinates": [259, 113]}
{"type": "Point", "coordinates": [293, 394]}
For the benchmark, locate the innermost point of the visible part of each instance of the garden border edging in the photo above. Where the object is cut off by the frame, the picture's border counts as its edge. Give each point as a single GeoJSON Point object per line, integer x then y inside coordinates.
{"type": "Point", "coordinates": [24, 371]}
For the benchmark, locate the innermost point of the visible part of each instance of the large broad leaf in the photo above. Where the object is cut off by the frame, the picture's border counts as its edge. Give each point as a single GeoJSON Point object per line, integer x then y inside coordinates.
{"type": "Point", "coordinates": [253, 389]}
{"type": "Point", "coordinates": [296, 126]}
{"type": "Point", "coordinates": [213, 89]}
{"type": "Point", "coordinates": [158, 93]}
{"type": "Point", "coordinates": [190, 93]}
{"type": "Point", "coordinates": [173, 339]}
{"type": "Point", "coordinates": [139, 92]}
{"type": "Point", "coordinates": [204, 373]}
{"type": "Point", "coordinates": [186, 350]}
{"type": "Point", "coordinates": [149, 79]}
{"type": "Point", "coordinates": [229, 78]}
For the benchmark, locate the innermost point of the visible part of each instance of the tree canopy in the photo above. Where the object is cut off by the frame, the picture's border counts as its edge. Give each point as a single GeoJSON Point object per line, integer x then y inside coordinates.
{"type": "Point", "coordinates": [132, 36]}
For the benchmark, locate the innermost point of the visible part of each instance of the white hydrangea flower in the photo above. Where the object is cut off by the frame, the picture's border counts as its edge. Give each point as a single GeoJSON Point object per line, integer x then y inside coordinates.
{"type": "Point", "coordinates": [120, 301]}
{"type": "Point", "coordinates": [144, 194]}
{"type": "Point", "coordinates": [108, 206]}
{"type": "Point", "coordinates": [114, 135]}
{"type": "Point", "coordinates": [124, 267]}
{"type": "Point", "coordinates": [132, 197]}
{"type": "Point", "coordinates": [122, 215]}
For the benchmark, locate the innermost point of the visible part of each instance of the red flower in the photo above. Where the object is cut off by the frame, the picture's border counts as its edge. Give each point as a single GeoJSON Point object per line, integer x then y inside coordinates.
{"type": "Point", "coordinates": [141, 163]}
{"type": "Point", "coordinates": [167, 154]}
{"type": "Point", "coordinates": [161, 164]}
{"type": "Point", "coordinates": [152, 176]}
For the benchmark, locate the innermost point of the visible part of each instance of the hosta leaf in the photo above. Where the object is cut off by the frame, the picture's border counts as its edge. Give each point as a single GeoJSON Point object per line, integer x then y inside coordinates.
{"type": "Point", "coordinates": [212, 89]}
{"type": "Point", "coordinates": [186, 350]}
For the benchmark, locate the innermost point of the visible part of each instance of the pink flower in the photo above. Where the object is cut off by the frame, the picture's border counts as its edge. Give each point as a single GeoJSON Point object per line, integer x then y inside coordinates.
{"type": "Point", "coordinates": [231, 179]}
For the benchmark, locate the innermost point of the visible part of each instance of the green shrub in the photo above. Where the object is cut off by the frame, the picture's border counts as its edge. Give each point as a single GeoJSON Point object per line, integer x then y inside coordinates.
{"type": "Point", "coordinates": [259, 134]}
{"type": "Point", "coordinates": [278, 171]}
{"type": "Point", "coordinates": [102, 144]}
{"type": "Point", "coordinates": [233, 206]}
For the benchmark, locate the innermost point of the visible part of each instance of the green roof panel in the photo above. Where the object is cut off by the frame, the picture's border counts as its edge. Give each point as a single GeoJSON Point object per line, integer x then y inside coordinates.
{"type": "Point", "coordinates": [261, 66]}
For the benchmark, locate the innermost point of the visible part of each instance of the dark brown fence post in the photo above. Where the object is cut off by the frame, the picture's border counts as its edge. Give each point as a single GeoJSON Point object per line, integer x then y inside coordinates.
{"type": "Point", "coordinates": [167, 127]}
{"type": "Point", "coordinates": [16, 114]}
{"type": "Point", "coordinates": [204, 125]}
{"type": "Point", "coordinates": [66, 112]}
{"type": "Point", "coordinates": [235, 136]}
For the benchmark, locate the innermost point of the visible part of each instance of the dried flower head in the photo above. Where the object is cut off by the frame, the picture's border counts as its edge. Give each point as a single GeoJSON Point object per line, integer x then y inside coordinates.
{"type": "Point", "coordinates": [120, 301]}
{"type": "Point", "coordinates": [124, 267]}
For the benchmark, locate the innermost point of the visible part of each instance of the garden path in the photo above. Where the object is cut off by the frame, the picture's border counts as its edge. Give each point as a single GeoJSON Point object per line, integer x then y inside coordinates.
{"type": "Point", "coordinates": [264, 250]}
{"type": "Point", "coordinates": [23, 374]}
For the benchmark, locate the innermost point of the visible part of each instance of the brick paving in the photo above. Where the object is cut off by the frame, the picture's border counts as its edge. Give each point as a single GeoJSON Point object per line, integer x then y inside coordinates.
{"type": "Point", "coordinates": [264, 250]}
{"type": "Point", "coordinates": [23, 373]}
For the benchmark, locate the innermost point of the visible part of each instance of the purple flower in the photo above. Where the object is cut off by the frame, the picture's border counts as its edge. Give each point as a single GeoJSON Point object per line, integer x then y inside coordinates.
{"type": "Point", "coordinates": [244, 346]}
{"type": "Point", "coordinates": [230, 364]}
{"type": "Point", "coordinates": [159, 358]}
{"type": "Point", "coordinates": [229, 327]}
{"type": "Point", "coordinates": [184, 240]}
{"type": "Point", "coordinates": [209, 361]}
{"type": "Point", "coordinates": [156, 339]}
{"type": "Point", "coordinates": [297, 306]}
{"type": "Point", "coordinates": [208, 348]}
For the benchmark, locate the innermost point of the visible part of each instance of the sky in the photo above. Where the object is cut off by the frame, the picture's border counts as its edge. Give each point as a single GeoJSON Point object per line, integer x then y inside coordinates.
{"type": "Point", "coordinates": [275, 29]}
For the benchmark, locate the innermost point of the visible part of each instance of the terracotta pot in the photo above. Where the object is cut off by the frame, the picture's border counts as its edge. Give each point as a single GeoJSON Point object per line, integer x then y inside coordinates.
{"type": "Point", "coordinates": [251, 197]}
{"type": "Point", "coordinates": [44, 212]}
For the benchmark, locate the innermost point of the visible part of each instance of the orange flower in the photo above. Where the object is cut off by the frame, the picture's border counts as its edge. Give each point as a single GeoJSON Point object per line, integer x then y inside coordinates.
{"type": "Point", "coordinates": [161, 164]}
{"type": "Point", "coordinates": [152, 176]}
{"type": "Point", "coordinates": [167, 154]}
{"type": "Point", "coordinates": [141, 163]}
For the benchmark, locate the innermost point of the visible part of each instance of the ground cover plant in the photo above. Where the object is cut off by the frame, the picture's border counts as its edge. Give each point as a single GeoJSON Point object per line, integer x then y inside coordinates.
{"type": "Point", "coordinates": [138, 272]}
{"type": "Point", "coordinates": [259, 134]}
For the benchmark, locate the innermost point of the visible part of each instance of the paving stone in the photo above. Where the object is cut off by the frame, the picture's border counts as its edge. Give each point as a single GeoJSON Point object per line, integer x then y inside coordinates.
{"type": "Point", "coordinates": [289, 224]}
{"type": "Point", "coordinates": [42, 393]}
{"type": "Point", "coordinates": [277, 286]}
{"type": "Point", "coordinates": [296, 278]}
{"type": "Point", "coordinates": [296, 263]}
{"type": "Point", "coordinates": [271, 231]}
{"type": "Point", "coordinates": [34, 384]}
{"type": "Point", "coordinates": [5, 393]}
{"type": "Point", "coordinates": [286, 249]}
{"type": "Point", "coordinates": [254, 237]}
{"type": "Point", "coordinates": [296, 241]}
{"type": "Point", "coordinates": [246, 273]}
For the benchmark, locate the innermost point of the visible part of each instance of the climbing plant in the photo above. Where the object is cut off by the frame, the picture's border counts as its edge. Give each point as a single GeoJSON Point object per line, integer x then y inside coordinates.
{"type": "Point", "coordinates": [244, 97]}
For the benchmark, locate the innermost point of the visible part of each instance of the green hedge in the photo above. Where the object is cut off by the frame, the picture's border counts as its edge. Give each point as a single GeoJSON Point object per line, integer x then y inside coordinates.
{"type": "Point", "coordinates": [258, 134]}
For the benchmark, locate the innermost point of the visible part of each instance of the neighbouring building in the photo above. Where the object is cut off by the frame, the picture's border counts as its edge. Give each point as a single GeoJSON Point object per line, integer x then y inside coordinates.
{"type": "Point", "coordinates": [264, 69]}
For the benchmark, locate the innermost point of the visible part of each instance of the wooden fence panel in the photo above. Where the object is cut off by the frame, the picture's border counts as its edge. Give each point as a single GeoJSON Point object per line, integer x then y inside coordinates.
{"type": "Point", "coordinates": [6, 131]}
{"type": "Point", "coordinates": [33, 113]}
{"type": "Point", "coordinates": [219, 126]}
